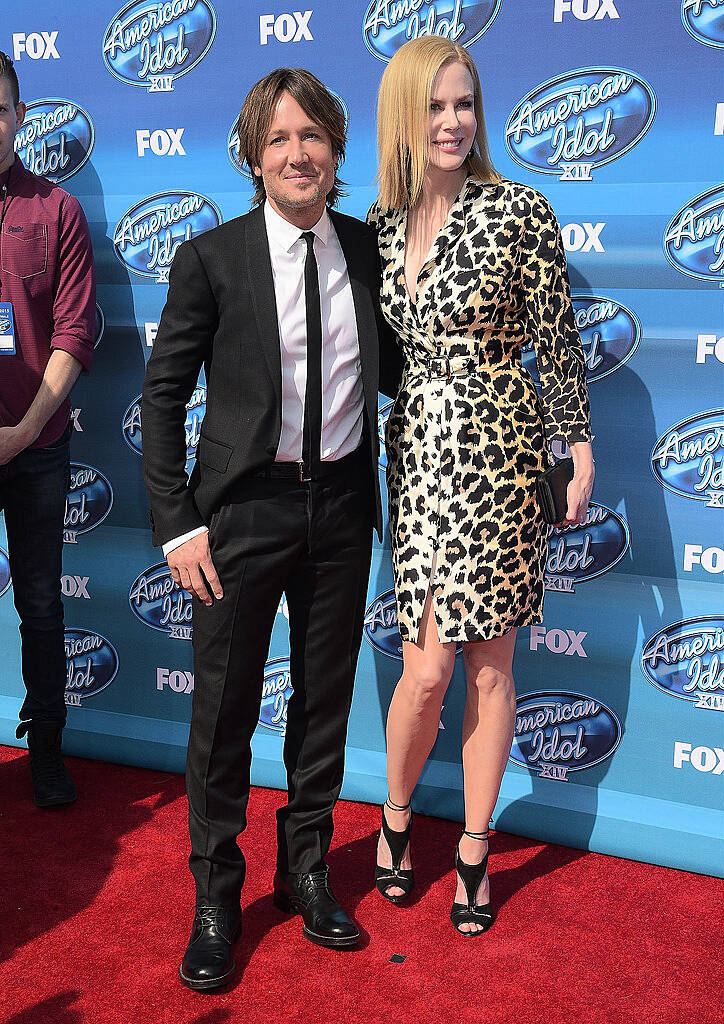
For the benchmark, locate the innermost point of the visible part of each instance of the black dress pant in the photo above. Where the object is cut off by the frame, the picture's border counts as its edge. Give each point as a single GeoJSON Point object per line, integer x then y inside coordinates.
{"type": "Point", "coordinates": [311, 541]}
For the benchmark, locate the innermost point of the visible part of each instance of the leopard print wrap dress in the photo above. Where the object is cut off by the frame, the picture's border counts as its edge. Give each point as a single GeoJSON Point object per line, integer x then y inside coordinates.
{"type": "Point", "coordinates": [468, 433]}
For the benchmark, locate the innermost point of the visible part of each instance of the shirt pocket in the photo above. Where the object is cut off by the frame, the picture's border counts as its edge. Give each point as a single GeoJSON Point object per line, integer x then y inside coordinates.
{"type": "Point", "coordinates": [24, 254]}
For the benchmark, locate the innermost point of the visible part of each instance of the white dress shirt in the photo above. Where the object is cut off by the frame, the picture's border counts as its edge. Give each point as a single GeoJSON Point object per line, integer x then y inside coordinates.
{"type": "Point", "coordinates": [342, 393]}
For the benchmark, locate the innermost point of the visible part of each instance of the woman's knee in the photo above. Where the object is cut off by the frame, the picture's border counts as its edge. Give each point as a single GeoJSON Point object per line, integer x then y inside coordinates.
{"type": "Point", "coordinates": [426, 685]}
{"type": "Point", "coordinates": [488, 681]}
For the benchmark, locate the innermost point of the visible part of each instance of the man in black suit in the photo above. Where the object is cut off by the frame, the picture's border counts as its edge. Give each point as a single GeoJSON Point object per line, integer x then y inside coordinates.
{"type": "Point", "coordinates": [281, 307]}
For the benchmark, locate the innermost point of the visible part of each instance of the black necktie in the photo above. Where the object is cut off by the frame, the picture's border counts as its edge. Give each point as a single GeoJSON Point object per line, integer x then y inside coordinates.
{"type": "Point", "coordinates": [312, 430]}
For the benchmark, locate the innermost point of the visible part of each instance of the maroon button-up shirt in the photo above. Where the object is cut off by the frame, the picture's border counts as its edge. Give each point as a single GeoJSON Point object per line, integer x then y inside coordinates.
{"type": "Point", "coordinates": [46, 271]}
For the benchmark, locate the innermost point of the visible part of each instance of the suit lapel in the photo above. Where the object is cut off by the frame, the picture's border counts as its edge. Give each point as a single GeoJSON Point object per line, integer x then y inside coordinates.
{"type": "Point", "coordinates": [261, 284]}
{"type": "Point", "coordinates": [351, 241]}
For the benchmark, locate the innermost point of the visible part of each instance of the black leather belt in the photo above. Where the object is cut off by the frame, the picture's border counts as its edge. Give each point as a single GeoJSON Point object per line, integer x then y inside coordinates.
{"type": "Point", "coordinates": [297, 470]}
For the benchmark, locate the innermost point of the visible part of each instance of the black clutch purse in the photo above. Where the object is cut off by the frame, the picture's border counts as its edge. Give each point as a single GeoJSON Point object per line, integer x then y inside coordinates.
{"type": "Point", "coordinates": [552, 490]}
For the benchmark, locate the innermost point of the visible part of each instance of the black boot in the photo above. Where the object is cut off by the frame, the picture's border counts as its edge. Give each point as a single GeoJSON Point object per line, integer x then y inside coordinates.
{"type": "Point", "coordinates": [52, 785]}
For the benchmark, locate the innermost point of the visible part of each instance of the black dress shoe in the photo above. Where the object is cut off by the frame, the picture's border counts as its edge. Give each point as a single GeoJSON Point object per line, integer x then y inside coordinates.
{"type": "Point", "coordinates": [308, 893]}
{"type": "Point", "coordinates": [208, 961]}
{"type": "Point", "coordinates": [52, 785]}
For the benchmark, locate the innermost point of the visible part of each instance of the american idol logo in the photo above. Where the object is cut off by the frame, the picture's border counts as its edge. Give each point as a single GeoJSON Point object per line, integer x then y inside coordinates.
{"type": "Point", "coordinates": [91, 664]}
{"type": "Point", "coordinates": [147, 236]}
{"type": "Point", "coordinates": [694, 238]}
{"type": "Point", "coordinates": [275, 694]}
{"type": "Point", "coordinates": [583, 552]}
{"type": "Point", "coordinates": [5, 325]}
{"type": "Point", "coordinates": [610, 334]}
{"type": "Point", "coordinates": [55, 139]}
{"type": "Point", "coordinates": [152, 44]}
{"type": "Point", "coordinates": [704, 19]}
{"type": "Point", "coordinates": [579, 121]}
{"type": "Point", "coordinates": [4, 571]}
{"type": "Point", "coordinates": [685, 661]}
{"type": "Point", "coordinates": [88, 502]}
{"type": "Point", "coordinates": [161, 603]}
{"type": "Point", "coordinates": [195, 409]}
{"type": "Point", "coordinates": [100, 325]}
{"type": "Point", "coordinates": [689, 458]}
{"type": "Point", "coordinates": [390, 23]}
{"type": "Point", "coordinates": [383, 414]}
{"type": "Point", "coordinates": [380, 626]}
{"type": "Point", "coordinates": [557, 732]}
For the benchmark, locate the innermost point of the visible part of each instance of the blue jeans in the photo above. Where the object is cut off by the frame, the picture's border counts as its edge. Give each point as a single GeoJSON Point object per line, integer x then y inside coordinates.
{"type": "Point", "coordinates": [33, 488]}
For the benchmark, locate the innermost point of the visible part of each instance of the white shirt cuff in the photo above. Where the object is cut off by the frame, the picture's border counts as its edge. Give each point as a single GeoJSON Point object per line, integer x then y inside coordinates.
{"type": "Point", "coordinates": [169, 546]}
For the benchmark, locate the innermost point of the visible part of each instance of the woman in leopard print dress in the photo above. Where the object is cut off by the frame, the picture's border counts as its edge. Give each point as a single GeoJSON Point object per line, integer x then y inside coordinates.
{"type": "Point", "coordinates": [473, 269]}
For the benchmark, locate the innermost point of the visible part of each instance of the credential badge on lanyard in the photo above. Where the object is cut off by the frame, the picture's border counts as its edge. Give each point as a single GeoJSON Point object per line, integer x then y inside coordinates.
{"type": "Point", "coordinates": [7, 329]}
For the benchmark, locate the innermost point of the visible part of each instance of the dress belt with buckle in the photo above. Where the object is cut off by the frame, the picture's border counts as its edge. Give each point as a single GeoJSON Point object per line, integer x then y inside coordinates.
{"type": "Point", "coordinates": [297, 470]}
{"type": "Point", "coordinates": [442, 368]}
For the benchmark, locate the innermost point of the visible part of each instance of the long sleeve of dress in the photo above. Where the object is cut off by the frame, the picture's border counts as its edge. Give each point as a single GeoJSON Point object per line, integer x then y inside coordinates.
{"type": "Point", "coordinates": [552, 327]}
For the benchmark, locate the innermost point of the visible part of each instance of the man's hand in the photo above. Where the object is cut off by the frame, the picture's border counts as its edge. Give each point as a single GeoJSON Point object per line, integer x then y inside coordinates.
{"type": "Point", "coordinates": [192, 568]}
{"type": "Point", "coordinates": [13, 440]}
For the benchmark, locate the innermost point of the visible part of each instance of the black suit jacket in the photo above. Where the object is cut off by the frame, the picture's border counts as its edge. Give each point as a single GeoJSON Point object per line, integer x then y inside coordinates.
{"type": "Point", "coordinates": [221, 313]}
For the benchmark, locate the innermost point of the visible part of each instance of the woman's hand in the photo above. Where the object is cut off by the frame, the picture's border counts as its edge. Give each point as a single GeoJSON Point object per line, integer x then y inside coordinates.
{"type": "Point", "coordinates": [580, 487]}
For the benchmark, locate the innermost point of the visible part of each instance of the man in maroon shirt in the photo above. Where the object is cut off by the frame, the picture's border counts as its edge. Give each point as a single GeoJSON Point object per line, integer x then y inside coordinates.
{"type": "Point", "coordinates": [47, 317]}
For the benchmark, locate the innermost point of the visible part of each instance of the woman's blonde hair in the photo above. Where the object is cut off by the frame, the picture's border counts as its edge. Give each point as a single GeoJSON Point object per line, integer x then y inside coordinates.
{"type": "Point", "coordinates": [403, 118]}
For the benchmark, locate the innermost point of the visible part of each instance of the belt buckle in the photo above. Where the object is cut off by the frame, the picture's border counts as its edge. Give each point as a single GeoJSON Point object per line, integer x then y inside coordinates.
{"type": "Point", "coordinates": [302, 478]}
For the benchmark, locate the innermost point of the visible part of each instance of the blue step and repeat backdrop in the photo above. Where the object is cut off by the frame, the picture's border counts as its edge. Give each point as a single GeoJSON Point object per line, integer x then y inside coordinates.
{"type": "Point", "coordinates": [615, 110]}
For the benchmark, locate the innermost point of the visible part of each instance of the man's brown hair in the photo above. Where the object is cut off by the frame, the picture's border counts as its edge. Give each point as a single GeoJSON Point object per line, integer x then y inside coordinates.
{"type": "Point", "coordinates": [7, 70]}
{"type": "Point", "coordinates": [257, 115]}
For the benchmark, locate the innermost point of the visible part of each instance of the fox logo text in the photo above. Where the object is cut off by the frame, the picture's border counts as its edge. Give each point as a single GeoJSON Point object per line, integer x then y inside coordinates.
{"type": "Point", "coordinates": [583, 237]}
{"type": "Point", "coordinates": [390, 23]}
{"type": "Point", "coordinates": [285, 28]}
{"type": "Point", "coordinates": [585, 10]}
{"type": "Point", "coordinates": [610, 334]}
{"type": "Point", "coordinates": [685, 660]}
{"type": "Point", "coordinates": [694, 238]}
{"type": "Point", "coordinates": [159, 602]}
{"type": "Point", "coordinates": [578, 553]}
{"type": "Point", "coordinates": [704, 759]}
{"type": "Point", "coordinates": [36, 45]}
{"type": "Point", "coordinates": [709, 345]}
{"type": "Point", "coordinates": [710, 559]}
{"type": "Point", "coordinates": [561, 732]}
{"type": "Point", "coordinates": [178, 680]}
{"type": "Point", "coordinates": [91, 664]}
{"type": "Point", "coordinates": [704, 19]}
{"type": "Point", "coordinates": [148, 235]}
{"type": "Point", "coordinates": [580, 121]}
{"type": "Point", "coordinates": [195, 410]}
{"type": "Point", "coordinates": [558, 641]}
{"type": "Point", "coordinates": [55, 139]}
{"type": "Point", "coordinates": [75, 586]}
{"type": "Point", "coordinates": [161, 142]}
{"type": "Point", "coordinates": [152, 45]}
{"type": "Point", "coordinates": [689, 458]}
{"type": "Point", "coordinates": [4, 571]}
{"type": "Point", "coordinates": [275, 695]}
{"type": "Point", "coordinates": [88, 502]}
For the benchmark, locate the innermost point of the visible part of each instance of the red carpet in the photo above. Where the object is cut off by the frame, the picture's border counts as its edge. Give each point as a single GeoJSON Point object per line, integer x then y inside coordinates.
{"type": "Point", "coordinates": [96, 907]}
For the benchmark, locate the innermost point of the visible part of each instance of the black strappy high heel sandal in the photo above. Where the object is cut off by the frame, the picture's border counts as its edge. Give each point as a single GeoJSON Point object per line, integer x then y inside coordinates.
{"type": "Point", "coordinates": [401, 878]}
{"type": "Point", "coordinates": [472, 875]}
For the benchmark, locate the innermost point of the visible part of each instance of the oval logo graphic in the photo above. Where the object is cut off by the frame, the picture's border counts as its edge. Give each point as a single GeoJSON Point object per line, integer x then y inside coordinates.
{"type": "Point", "coordinates": [694, 238]}
{"type": "Point", "coordinates": [610, 334]}
{"type": "Point", "coordinates": [4, 571]}
{"type": "Point", "coordinates": [704, 19]}
{"type": "Point", "coordinates": [195, 410]}
{"type": "Point", "coordinates": [685, 661]}
{"type": "Point", "coordinates": [578, 553]}
{"type": "Point", "coordinates": [88, 502]}
{"type": "Point", "coordinates": [380, 627]}
{"type": "Point", "coordinates": [689, 458]}
{"type": "Point", "coordinates": [91, 664]}
{"type": "Point", "coordinates": [557, 732]}
{"type": "Point", "coordinates": [390, 23]}
{"type": "Point", "coordinates": [100, 325]}
{"type": "Point", "coordinates": [151, 45]}
{"type": "Point", "coordinates": [579, 121]}
{"type": "Point", "coordinates": [55, 139]}
{"type": "Point", "coordinates": [161, 603]}
{"type": "Point", "coordinates": [147, 236]}
{"type": "Point", "coordinates": [383, 414]}
{"type": "Point", "coordinates": [275, 694]}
